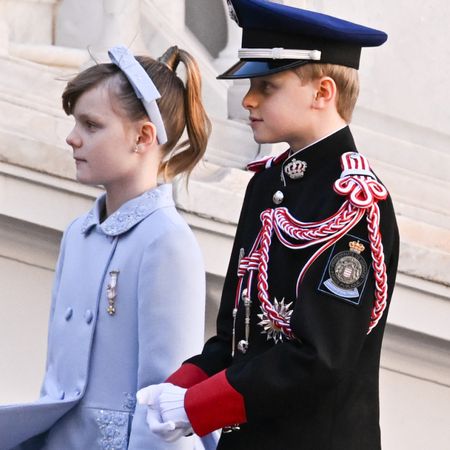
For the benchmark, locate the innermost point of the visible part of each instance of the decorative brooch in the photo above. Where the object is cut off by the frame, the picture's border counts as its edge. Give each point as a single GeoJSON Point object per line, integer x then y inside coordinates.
{"type": "Point", "coordinates": [295, 169]}
{"type": "Point", "coordinates": [111, 292]}
{"type": "Point", "coordinates": [270, 328]}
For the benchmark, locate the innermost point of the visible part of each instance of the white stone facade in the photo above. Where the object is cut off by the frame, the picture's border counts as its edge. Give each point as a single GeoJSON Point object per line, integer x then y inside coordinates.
{"type": "Point", "coordinates": [402, 123]}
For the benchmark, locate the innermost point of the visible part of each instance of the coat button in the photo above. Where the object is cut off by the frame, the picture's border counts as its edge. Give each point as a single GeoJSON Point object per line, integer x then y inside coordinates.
{"type": "Point", "coordinates": [88, 316]}
{"type": "Point", "coordinates": [69, 312]}
{"type": "Point", "coordinates": [278, 197]}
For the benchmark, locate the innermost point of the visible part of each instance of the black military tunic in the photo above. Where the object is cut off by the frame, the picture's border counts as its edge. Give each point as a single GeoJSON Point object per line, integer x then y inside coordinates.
{"type": "Point", "coordinates": [318, 391]}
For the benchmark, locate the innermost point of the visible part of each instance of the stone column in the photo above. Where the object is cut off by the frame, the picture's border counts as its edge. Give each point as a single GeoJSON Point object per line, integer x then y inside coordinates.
{"type": "Point", "coordinates": [4, 29]}
{"type": "Point", "coordinates": [99, 25]}
{"type": "Point", "coordinates": [175, 10]}
{"type": "Point", "coordinates": [121, 25]}
{"type": "Point", "coordinates": [30, 21]}
{"type": "Point", "coordinates": [228, 57]}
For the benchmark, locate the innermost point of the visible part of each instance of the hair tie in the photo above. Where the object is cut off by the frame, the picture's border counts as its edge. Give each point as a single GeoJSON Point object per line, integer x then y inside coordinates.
{"type": "Point", "coordinates": [170, 58]}
{"type": "Point", "coordinates": [143, 86]}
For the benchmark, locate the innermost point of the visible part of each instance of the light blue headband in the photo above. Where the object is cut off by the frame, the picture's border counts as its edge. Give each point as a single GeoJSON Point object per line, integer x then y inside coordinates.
{"type": "Point", "coordinates": [143, 86]}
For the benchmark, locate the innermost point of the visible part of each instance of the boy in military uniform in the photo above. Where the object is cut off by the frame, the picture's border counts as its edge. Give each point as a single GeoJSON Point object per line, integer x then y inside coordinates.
{"type": "Point", "coordinates": [295, 361]}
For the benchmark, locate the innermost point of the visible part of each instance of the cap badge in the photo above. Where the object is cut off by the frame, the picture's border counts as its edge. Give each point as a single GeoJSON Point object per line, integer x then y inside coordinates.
{"type": "Point", "coordinates": [295, 169]}
{"type": "Point", "coordinates": [232, 12]}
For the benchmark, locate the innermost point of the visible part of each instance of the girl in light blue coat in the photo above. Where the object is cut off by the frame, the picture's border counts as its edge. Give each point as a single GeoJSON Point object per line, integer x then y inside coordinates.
{"type": "Point", "coordinates": [128, 298]}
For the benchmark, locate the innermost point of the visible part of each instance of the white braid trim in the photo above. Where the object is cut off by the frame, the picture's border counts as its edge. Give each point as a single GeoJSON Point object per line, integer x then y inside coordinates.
{"type": "Point", "coordinates": [356, 172]}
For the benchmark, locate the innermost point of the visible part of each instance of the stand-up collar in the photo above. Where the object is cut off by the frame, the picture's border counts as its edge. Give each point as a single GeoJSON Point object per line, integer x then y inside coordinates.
{"type": "Point", "coordinates": [130, 213]}
{"type": "Point", "coordinates": [321, 153]}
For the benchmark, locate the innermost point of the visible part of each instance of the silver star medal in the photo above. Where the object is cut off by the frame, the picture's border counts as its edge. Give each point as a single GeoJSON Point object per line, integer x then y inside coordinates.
{"type": "Point", "coordinates": [271, 329]}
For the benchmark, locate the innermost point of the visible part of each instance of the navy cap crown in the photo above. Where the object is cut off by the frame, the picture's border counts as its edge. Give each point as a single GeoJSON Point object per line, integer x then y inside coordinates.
{"type": "Point", "coordinates": [268, 25]}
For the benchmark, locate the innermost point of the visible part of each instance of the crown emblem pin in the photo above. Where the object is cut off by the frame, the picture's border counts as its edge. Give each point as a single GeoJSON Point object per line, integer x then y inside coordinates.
{"type": "Point", "coordinates": [295, 169]}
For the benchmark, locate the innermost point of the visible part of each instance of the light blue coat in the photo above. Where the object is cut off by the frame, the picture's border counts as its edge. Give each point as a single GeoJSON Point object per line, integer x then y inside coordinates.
{"type": "Point", "coordinates": [96, 361]}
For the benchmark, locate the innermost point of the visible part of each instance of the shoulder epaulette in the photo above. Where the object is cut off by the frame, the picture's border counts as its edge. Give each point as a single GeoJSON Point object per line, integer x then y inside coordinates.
{"type": "Point", "coordinates": [268, 161]}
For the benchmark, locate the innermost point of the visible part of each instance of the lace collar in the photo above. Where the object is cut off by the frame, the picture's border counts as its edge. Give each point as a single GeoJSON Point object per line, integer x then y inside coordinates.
{"type": "Point", "coordinates": [130, 213]}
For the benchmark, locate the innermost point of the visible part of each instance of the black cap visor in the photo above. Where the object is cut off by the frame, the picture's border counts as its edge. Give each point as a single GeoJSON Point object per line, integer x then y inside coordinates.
{"type": "Point", "coordinates": [258, 68]}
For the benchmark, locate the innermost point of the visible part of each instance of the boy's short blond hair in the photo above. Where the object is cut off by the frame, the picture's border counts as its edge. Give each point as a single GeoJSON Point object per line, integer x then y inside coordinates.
{"type": "Point", "coordinates": [346, 79]}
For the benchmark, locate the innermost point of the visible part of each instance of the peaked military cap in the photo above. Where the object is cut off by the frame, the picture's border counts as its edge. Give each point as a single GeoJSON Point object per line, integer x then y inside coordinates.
{"type": "Point", "coordinates": [277, 37]}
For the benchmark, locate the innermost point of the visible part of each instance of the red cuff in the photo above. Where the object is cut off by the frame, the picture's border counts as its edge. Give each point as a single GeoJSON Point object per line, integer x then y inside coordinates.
{"type": "Point", "coordinates": [214, 404]}
{"type": "Point", "coordinates": [187, 375]}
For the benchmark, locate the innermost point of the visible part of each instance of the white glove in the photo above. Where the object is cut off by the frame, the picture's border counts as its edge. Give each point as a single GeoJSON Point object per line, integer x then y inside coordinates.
{"type": "Point", "coordinates": [149, 394]}
{"type": "Point", "coordinates": [166, 416]}
{"type": "Point", "coordinates": [165, 430]}
{"type": "Point", "coordinates": [171, 406]}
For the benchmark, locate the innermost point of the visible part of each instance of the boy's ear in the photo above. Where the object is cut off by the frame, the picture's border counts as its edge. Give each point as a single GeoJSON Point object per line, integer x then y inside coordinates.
{"type": "Point", "coordinates": [147, 134]}
{"type": "Point", "coordinates": [326, 92]}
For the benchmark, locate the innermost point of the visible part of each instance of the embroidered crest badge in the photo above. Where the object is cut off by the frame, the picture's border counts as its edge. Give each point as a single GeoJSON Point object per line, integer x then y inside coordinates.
{"type": "Point", "coordinates": [346, 271]}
